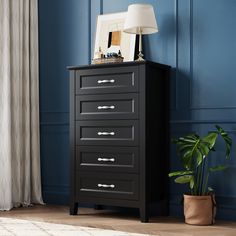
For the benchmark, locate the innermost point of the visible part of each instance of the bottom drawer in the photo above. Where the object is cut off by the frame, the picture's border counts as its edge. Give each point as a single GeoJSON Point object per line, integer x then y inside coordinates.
{"type": "Point", "coordinates": [108, 185]}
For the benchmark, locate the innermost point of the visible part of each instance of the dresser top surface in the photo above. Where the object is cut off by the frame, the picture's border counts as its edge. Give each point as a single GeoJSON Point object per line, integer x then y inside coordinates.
{"type": "Point", "coordinates": [110, 65]}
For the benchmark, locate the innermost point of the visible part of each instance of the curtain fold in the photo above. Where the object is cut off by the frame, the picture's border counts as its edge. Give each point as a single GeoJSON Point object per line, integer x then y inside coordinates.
{"type": "Point", "coordinates": [20, 179]}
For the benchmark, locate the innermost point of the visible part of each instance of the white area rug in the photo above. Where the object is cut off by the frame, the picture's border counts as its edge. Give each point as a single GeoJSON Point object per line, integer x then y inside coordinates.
{"type": "Point", "coordinates": [16, 227]}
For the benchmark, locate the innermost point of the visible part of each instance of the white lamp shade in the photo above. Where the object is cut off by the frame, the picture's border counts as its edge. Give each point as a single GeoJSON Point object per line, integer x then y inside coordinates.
{"type": "Point", "coordinates": [140, 17]}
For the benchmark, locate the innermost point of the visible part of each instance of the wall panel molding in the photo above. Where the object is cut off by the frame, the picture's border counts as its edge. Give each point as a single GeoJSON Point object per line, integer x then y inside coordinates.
{"type": "Point", "coordinates": [70, 39]}
{"type": "Point", "coordinates": [187, 122]}
{"type": "Point", "coordinates": [96, 8]}
{"type": "Point", "coordinates": [54, 124]}
{"type": "Point", "coordinates": [191, 67]}
{"type": "Point", "coordinates": [176, 12]}
{"type": "Point", "coordinates": [54, 118]}
{"type": "Point", "coordinates": [62, 187]}
{"type": "Point", "coordinates": [182, 9]}
{"type": "Point", "coordinates": [89, 33]}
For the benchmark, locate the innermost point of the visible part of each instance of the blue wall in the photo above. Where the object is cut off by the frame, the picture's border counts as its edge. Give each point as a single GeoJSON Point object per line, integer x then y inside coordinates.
{"type": "Point", "coordinates": [197, 38]}
{"type": "Point", "coordinates": [63, 25]}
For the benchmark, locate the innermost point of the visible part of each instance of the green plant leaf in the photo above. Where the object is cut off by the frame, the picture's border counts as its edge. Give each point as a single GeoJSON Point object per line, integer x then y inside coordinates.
{"type": "Point", "coordinates": [192, 183]}
{"type": "Point", "coordinates": [198, 156]}
{"type": "Point", "coordinates": [187, 160]}
{"type": "Point", "coordinates": [226, 138]}
{"type": "Point", "coordinates": [182, 147]}
{"type": "Point", "coordinates": [220, 130]}
{"type": "Point", "coordinates": [204, 149]}
{"type": "Point", "coordinates": [210, 189]}
{"type": "Point", "coordinates": [183, 179]}
{"type": "Point", "coordinates": [188, 139]}
{"type": "Point", "coordinates": [218, 168]}
{"type": "Point", "coordinates": [176, 173]}
{"type": "Point", "coordinates": [210, 138]}
{"type": "Point", "coordinates": [193, 150]}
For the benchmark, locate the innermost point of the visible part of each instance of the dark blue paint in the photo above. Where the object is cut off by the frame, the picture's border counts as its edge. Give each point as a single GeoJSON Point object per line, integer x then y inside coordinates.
{"type": "Point", "coordinates": [63, 38]}
{"type": "Point", "coordinates": [197, 38]}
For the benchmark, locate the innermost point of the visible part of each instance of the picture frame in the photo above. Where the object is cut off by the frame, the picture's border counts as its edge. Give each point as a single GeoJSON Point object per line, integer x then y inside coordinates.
{"type": "Point", "coordinates": [110, 37]}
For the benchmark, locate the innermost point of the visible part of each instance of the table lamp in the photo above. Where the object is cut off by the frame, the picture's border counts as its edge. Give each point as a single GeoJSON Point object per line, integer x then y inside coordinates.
{"type": "Point", "coordinates": [140, 20]}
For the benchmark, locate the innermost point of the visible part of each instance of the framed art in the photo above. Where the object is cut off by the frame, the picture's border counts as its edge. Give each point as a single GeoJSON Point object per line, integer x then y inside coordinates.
{"type": "Point", "coordinates": [110, 37]}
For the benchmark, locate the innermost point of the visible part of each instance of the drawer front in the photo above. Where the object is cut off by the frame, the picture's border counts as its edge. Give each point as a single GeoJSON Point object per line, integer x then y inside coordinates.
{"type": "Point", "coordinates": [113, 159]}
{"type": "Point", "coordinates": [108, 185]}
{"type": "Point", "coordinates": [108, 80]}
{"type": "Point", "coordinates": [122, 133]}
{"type": "Point", "coordinates": [109, 106]}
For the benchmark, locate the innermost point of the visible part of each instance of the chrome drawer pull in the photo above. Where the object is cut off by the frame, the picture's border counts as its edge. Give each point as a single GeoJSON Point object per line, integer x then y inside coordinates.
{"type": "Point", "coordinates": [106, 107]}
{"type": "Point", "coordinates": [106, 81]}
{"type": "Point", "coordinates": [106, 159]}
{"type": "Point", "coordinates": [106, 185]}
{"type": "Point", "coordinates": [106, 133]}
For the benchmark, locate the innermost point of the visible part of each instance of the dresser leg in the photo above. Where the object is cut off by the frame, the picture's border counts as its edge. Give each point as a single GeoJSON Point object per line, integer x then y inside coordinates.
{"type": "Point", "coordinates": [143, 214]}
{"type": "Point", "coordinates": [74, 208]}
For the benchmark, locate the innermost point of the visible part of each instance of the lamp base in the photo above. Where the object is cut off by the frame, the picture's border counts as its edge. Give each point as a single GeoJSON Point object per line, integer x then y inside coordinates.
{"type": "Point", "coordinates": [140, 57]}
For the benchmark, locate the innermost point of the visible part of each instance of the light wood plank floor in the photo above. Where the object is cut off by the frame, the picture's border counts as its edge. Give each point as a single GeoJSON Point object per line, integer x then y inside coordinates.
{"type": "Point", "coordinates": [120, 221]}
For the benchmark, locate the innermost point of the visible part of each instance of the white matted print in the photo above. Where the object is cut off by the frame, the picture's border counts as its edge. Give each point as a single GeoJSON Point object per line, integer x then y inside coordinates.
{"type": "Point", "coordinates": [111, 38]}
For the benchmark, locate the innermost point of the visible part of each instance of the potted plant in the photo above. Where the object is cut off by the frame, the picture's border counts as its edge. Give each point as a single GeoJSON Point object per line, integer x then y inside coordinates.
{"type": "Point", "coordinates": [199, 204]}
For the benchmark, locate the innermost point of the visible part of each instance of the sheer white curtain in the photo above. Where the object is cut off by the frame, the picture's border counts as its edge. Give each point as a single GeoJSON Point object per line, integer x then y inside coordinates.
{"type": "Point", "coordinates": [20, 180]}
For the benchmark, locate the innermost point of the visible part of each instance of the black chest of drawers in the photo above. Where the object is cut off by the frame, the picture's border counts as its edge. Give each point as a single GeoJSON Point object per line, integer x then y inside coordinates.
{"type": "Point", "coordinates": [119, 135]}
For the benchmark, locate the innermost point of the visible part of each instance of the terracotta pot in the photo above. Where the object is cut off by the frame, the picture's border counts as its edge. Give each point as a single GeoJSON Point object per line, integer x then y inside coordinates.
{"type": "Point", "coordinates": [199, 210]}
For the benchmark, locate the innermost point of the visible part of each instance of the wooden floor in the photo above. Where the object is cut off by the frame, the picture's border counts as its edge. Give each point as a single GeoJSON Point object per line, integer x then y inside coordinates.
{"type": "Point", "coordinates": [120, 221]}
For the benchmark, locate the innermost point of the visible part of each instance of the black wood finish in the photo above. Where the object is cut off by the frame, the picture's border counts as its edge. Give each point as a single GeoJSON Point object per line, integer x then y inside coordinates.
{"type": "Point", "coordinates": [73, 202]}
{"type": "Point", "coordinates": [108, 185]}
{"type": "Point", "coordinates": [107, 159]}
{"type": "Point", "coordinates": [110, 80]}
{"type": "Point", "coordinates": [119, 132]}
{"type": "Point", "coordinates": [108, 106]}
{"type": "Point", "coordinates": [107, 132]}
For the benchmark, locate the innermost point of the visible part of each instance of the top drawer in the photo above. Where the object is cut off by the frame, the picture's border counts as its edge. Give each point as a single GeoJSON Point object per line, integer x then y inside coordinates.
{"type": "Point", "coordinates": [108, 80]}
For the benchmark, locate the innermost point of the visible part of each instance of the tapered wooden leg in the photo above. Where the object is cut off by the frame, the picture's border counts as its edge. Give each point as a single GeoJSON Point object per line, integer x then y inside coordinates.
{"type": "Point", "coordinates": [144, 217]}
{"type": "Point", "coordinates": [98, 207]}
{"type": "Point", "coordinates": [74, 208]}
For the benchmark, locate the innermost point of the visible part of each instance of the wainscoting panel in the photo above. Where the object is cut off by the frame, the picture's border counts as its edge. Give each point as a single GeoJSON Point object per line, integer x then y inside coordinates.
{"type": "Point", "coordinates": [196, 38]}
{"type": "Point", "coordinates": [64, 30]}
{"type": "Point", "coordinates": [213, 54]}
{"type": "Point", "coordinates": [55, 161]}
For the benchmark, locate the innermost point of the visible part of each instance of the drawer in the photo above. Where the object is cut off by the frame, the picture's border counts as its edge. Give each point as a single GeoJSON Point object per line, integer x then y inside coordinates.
{"type": "Point", "coordinates": [113, 159]}
{"type": "Point", "coordinates": [109, 106]}
{"type": "Point", "coordinates": [108, 185]}
{"type": "Point", "coordinates": [108, 80]}
{"type": "Point", "coordinates": [121, 132]}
